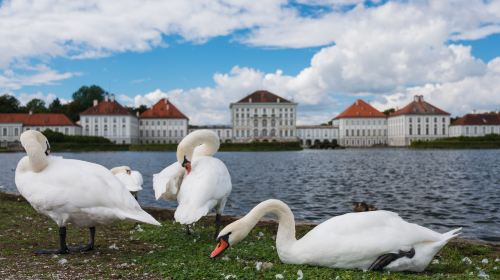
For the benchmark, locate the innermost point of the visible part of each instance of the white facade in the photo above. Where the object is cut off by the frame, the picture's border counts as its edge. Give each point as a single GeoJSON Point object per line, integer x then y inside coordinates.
{"type": "Point", "coordinates": [473, 130]}
{"type": "Point", "coordinates": [362, 132]}
{"type": "Point", "coordinates": [264, 121]}
{"type": "Point", "coordinates": [10, 132]}
{"type": "Point", "coordinates": [225, 132]}
{"type": "Point", "coordinates": [162, 130]}
{"type": "Point", "coordinates": [404, 129]}
{"type": "Point", "coordinates": [314, 134]}
{"type": "Point", "coordinates": [120, 129]}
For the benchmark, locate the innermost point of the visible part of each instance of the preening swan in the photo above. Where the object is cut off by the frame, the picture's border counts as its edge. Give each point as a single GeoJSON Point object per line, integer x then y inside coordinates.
{"type": "Point", "coordinates": [373, 240]}
{"type": "Point", "coordinates": [72, 191]}
{"type": "Point", "coordinates": [131, 179]}
{"type": "Point", "coordinates": [197, 180]}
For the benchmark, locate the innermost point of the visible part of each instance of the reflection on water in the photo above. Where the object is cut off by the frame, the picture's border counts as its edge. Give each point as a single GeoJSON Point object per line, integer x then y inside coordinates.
{"type": "Point", "coordinates": [434, 188]}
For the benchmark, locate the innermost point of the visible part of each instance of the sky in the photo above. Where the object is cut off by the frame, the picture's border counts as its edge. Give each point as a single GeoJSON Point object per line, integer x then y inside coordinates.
{"type": "Point", "coordinates": [203, 55]}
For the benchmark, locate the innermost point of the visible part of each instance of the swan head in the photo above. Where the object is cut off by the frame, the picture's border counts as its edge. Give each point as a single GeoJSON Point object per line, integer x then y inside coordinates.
{"type": "Point", "coordinates": [35, 141]}
{"type": "Point", "coordinates": [121, 169]}
{"type": "Point", "coordinates": [184, 156]}
{"type": "Point", "coordinates": [232, 234]}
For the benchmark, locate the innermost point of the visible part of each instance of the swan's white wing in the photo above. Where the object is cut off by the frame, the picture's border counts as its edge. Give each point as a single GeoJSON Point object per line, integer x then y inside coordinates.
{"type": "Point", "coordinates": [130, 181]}
{"type": "Point", "coordinates": [208, 184]}
{"type": "Point", "coordinates": [79, 192]}
{"type": "Point", "coordinates": [167, 183]}
{"type": "Point", "coordinates": [357, 239]}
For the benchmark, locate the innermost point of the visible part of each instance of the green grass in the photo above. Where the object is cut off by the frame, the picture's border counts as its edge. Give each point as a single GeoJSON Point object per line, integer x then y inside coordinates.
{"type": "Point", "coordinates": [167, 252]}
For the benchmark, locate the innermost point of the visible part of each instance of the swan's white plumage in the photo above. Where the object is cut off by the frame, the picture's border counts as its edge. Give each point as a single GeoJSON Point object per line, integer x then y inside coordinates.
{"type": "Point", "coordinates": [133, 181]}
{"type": "Point", "coordinates": [208, 185]}
{"type": "Point", "coordinates": [73, 191]}
{"type": "Point", "coordinates": [353, 240]}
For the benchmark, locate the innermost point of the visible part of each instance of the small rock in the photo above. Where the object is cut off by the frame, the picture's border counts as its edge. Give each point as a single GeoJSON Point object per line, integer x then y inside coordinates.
{"type": "Point", "coordinates": [279, 276]}
{"type": "Point", "coordinates": [261, 234]}
{"type": "Point", "coordinates": [225, 258]}
{"type": "Point", "coordinates": [495, 268]}
{"type": "Point", "coordinates": [497, 260]}
{"type": "Point", "coordinates": [466, 260]}
{"type": "Point", "coordinates": [85, 261]}
{"type": "Point", "coordinates": [62, 261]}
{"type": "Point", "coordinates": [150, 252]}
{"type": "Point", "coordinates": [300, 275]}
{"type": "Point", "coordinates": [482, 274]}
{"type": "Point", "coordinates": [113, 247]}
{"type": "Point", "coordinates": [484, 261]}
{"type": "Point", "coordinates": [435, 261]}
{"type": "Point", "coordinates": [123, 265]}
{"type": "Point", "coordinates": [267, 265]}
{"type": "Point", "coordinates": [230, 276]}
{"type": "Point", "coordinates": [138, 228]}
{"type": "Point", "coordinates": [55, 256]}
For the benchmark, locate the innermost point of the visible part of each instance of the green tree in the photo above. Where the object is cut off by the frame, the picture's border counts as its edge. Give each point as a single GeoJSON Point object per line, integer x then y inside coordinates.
{"type": "Point", "coordinates": [8, 104]}
{"type": "Point", "coordinates": [56, 106]}
{"type": "Point", "coordinates": [85, 95]}
{"type": "Point", "coordinates": [36, 106]}
{"type": "Point", "coordinates": [389, 111]}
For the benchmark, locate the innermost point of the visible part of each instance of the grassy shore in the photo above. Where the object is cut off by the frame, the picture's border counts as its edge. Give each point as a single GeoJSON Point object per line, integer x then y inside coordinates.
{"type": "Point", "coordinates": [491, 141]}
{"type": "Point", "coordinates": [127, 251]}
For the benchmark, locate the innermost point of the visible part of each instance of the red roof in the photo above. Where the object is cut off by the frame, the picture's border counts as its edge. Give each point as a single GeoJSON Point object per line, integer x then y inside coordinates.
{"type": "Point", "coordinates": [263, 96]}
{"type": "Point", "coordinates": [478, 119]}
{"type": "Point", "coordinates": [36, 119]}
{"type": "Point", "coordinates": [419, 107]}
{"type": "Point", "coordinates": [360, 109]}
{"type": "Point", "coordinates": [110, 107]}
{"type": "Point", "coordinates": [163, 109]}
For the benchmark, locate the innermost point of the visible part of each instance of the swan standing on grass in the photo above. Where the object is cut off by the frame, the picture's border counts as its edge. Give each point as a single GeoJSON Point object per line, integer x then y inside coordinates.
{"type": "Point", "coordinates": [373, 240]}
{"type": "Point", "coordinates": [131, 179]}
{"type": "Point", "coordinates": [72, 191]}
{"type": "Point", "coordinates": [197, 180]}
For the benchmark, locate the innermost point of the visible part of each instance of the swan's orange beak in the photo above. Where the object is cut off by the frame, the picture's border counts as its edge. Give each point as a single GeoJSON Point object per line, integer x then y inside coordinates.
{"type": "Point", "coordinates": [221, 246]}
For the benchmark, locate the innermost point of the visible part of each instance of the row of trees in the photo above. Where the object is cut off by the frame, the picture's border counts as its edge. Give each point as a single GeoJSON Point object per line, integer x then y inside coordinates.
{"type": "Point", "coordinates": [82, 99]}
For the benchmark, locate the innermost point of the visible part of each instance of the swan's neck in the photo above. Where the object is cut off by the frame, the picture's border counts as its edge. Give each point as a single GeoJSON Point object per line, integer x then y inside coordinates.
{"type": "Point", "coordinates": [198, 143]}
{"type": "Point", "coordinates": [37, 158]}
{"type": "Point", "coordinates": [286, 228]}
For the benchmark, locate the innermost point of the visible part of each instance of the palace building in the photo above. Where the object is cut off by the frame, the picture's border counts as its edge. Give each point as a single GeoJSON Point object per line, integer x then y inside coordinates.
{"type": "Point", "coordinates": [163, 123]}
{"type": "Point", "coordinates": [13, 124]}
{"type": "Point", "coordinates": [361, 125]}
{"type": "Point", "coordinates": [418, 120]}
{"type": "Point", "coordinates": [111, 120]}
{"type": "Point", "coordinates": [263, 116]}
{"type": "Point", "coordinates": [472, 125]}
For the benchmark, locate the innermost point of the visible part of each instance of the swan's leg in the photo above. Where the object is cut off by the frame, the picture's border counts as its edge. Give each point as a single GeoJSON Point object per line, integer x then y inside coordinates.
{"type": "Point", "coordinates": [188, 230]}
{"type": "Point", "coordinates": [218, 223]}
{"type": "Point", "coordinates": [89, 246]}
{"type": "Point", "coordinates": [385, 259]}
{"type": "Point", "coordinates": [63, 248]}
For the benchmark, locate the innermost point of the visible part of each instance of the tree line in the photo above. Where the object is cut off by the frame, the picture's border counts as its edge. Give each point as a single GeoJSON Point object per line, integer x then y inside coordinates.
{"type": "Point", "coordinates": [82, 99]}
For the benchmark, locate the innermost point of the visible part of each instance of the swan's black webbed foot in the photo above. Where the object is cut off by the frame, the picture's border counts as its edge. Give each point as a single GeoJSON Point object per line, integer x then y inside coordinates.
{"type": "Point", "coordinates": [385, 259]}
{"type": "Point", "coordinates": [188, 230]}
{"type": "Point", "coordinates": [218, 223]}
{"type": "Point", "coordinates": [88, 247]}
{"type": "Point", "coordinates": [63, 248]}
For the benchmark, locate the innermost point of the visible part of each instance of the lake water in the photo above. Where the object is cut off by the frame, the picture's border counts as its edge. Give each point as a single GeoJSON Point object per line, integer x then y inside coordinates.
{"type": "Point", "coordinates": [438, 189]}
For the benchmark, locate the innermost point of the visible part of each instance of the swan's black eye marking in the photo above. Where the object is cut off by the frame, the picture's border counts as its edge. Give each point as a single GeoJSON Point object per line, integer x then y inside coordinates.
{"type": "Point", "coordinates": [186, 161]}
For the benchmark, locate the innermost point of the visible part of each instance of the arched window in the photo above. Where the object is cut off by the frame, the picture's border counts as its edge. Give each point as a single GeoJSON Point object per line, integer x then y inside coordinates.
{"type": "Point", "coordinates": [264, 122]}
{"type": "Point", "coordinates": [255, 122]}
{"type": "Point", "coordinates": [256, 133]}
{"type": "Point", "coordinates": [273, 132]}
{"type": "Point", "coordinates": [264, 132]}
{"type": "Point", "coordinates": [273, 122]}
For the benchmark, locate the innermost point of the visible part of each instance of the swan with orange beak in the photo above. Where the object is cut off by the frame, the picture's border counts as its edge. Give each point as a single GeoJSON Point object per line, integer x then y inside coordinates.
{"type": "Point", "coordinates": [198, 181]}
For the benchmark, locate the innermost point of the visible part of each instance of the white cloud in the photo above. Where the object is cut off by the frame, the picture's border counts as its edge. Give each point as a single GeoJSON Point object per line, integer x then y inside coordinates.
{"type": "Point", "coordinates": [480, 93]}
{"type": "Point", "coordinates": [33, 76]}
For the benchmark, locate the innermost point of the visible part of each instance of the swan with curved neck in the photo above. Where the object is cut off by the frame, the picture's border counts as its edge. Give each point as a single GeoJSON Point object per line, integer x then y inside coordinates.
{"type": "Point", "coordinates": [198, 181]}
{"type": "Point", "coordinates": [131, 179]}
{"type": "Point", "coordinates": [72, 191]}
{"type": "Point", "coordinates": [197, 143]}
{"type": "Point", "coordinates": [372, 240]}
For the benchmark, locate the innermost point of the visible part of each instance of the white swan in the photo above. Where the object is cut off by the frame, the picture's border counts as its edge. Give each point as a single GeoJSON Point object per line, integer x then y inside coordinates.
{"type": "Point", "coordinates": [371, 240]}
{"type": "Point", "coordinates": [72, 191]}
{"type": "Point", "coordinates": [197, 180]}
{"type": "Point", "coordinates": [131, 179]}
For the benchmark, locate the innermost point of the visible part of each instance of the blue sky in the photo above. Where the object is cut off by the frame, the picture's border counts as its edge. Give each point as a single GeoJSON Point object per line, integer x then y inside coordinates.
{"type": "Point", "coordinates": [323, 54]}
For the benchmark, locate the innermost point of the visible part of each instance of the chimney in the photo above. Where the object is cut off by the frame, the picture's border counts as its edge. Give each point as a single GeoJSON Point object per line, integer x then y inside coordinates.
{"type": "Point", "coordinates": [112, 97]}
{"type": "Point", "coordinates": [250, 100]}
{"type": "Point", "coordinates": [278, 100]}
{"type": "Point", "coordinates": [418, 98]}
{"type": "Point", "coordinates": [106, 98]}
{"type": "Point", "coordinates": [31, 112]}
{"type": "Point", "coordinates": [137, 114]}
{"type": "Point", "coordinates": [95, 102]}
{"type": "Point", "coordinates": [357, 102]}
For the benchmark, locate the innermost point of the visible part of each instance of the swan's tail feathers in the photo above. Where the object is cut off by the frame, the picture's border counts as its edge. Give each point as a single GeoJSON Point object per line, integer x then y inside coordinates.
{"type": "Point", "coordinates": [167, 183]}
{"type": "Point", "coordinates": [143, 217]}
{"type": "Point", "coordinates": [451, 234]}
{"type": "Point", "coordinates": [187, 216]}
